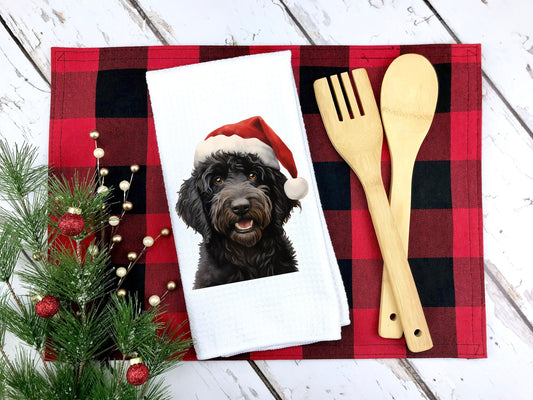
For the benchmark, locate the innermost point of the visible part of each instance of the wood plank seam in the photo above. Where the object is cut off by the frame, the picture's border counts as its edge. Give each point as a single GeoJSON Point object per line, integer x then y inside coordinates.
{"type": "Point", "coordinates": [22, 48]}
{"type": "Point", "coordinates": [148, 21]}
{"type": "Point", "coordinates": [512, 302]}
{"type": "Point", "coordinates": [265, 380]}
{"type": "Point", "coordinates": [417, 379]}
{"type": "Point", "coordinates": [297, 23]}
{"type": "Point", "coordinates": [483, 73]}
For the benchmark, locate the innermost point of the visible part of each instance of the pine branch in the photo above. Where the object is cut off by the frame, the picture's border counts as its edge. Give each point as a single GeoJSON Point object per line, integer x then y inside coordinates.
{"type": "Point", "coordinates": [80, 193]}
{"type": "Point", "coordinates": [154, 390]}
{"type": "Point", "coordinates": [9, 252]}
{"type": "Point", "coordinates": [131, 328]}
{"type": "Point", "coordinates": [18, 175]}
{"type": "Point", "coordinates": [91, 321]}
{"type": "Point", "coordinates": [24, 381]}
{"type": "Point", "coordinates": [165, 350]}
{"type": "Point", "coordinates": [24, 323]}
{"type": "Point", "coordinates": [5, 357]}
{"type": "Point", "coordinates": [78, 340]}
{"type": "Point", "coordinates": [30, 222]}
{"type": "Point", "coordinates": [63, 277]}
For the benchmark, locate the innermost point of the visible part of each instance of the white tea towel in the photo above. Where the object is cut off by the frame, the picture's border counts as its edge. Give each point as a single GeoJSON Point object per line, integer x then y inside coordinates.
{"type": "Point", "coordinates": [278, 311]}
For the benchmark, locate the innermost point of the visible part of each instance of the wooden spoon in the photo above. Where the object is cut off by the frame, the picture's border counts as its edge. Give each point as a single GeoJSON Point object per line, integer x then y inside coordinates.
{"type": "Point", "coordinates": [408, 99]}
{"type": "Point", "coordinates": [358, 138]}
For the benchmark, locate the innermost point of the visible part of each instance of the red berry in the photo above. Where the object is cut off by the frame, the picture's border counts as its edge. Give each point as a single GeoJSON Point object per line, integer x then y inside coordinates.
{"type": "Point", "coordinates": [47, 307]}
{"type": "Point", "coordinates": [71, 224]}
{"type": "Point", "coordinates": [137, 374]}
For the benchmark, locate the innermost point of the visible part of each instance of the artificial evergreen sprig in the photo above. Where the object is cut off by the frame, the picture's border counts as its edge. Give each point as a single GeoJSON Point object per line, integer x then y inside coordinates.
{"type": "Point", "coordinates": [80, 193]}
{"type": "Point", "coordinates": [78, 319]}
{"type": "Point", "coordinates": [19, 176]}
{"type": "Point", "coordinates": [62, 276]}
{"type": "Point", "coordinates": [23, 188]}
{"type": "Point", "coordinates": [9, 252]}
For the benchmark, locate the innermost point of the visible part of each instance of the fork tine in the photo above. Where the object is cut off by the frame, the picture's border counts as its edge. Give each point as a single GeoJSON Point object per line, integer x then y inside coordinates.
{"type": "Point", "coordinates": [348, 89]}
{"type": "Point", "coordinates": [365, 92]}
{"type": "Point", "coordinates": [325, 102]}
{"type": "Point", "coordinates": [339, 97]}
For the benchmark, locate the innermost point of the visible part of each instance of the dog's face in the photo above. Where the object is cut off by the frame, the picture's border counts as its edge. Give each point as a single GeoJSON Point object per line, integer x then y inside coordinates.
{"type": "Point", "coordinates": [236, 196]}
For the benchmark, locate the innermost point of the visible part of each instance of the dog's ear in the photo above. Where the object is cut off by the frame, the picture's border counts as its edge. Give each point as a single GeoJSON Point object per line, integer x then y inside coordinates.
{"type": "Point", "coordinates": [283, 206]}
{"type": "Point", "coordinates": [190, 207]}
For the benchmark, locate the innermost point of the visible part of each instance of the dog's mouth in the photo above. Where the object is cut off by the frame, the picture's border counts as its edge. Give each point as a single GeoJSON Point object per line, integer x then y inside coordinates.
{"type": "Point", "coordinates": [244, 225]}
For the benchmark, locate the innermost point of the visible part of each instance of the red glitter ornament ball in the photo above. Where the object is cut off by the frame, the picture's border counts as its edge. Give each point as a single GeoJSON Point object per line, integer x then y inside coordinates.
{"type": "Point", "coordinates": [47, 307]}
{"type": "Point", "coordinates": [137, 374]}
{"type": "Point", "coordinates": [71, 223]}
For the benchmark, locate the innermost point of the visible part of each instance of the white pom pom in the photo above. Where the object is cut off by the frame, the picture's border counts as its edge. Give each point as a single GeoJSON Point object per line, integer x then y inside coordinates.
{"type": "Point", "coordinates": [296, 188]}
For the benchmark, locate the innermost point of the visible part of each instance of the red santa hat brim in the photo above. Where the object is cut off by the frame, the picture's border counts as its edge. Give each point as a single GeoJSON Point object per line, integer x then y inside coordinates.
{"type": "Point", "coordinates": [255, 136]}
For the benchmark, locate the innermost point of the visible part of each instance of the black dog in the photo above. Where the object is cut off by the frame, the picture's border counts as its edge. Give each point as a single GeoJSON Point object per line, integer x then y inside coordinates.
{"type": "Point", "coordinates": [239, 207]}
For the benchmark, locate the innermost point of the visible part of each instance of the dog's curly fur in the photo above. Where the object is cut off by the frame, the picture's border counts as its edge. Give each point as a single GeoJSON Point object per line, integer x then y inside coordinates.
{"type": "Point", "coordinates": [239, 207]}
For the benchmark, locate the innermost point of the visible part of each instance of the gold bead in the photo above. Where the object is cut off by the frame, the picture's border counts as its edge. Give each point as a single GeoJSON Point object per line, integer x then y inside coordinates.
{"type": "Point", "coordinates": [114, 220]}
{"type": "Point", "coordinates": [124, 185]}
{"type": "Point", "coordinates": [94, 134]}
{"type": "Point", "coordinates": [102, 189]}
{"type": "Point", "coordinates": [127, 205]}
{"type": "Point", "coordinates": [92, 249]}
{"type": "Point", "coordinates": [135, 168]}
{"type": "Point", "coordinates": [104, 172]}
{"type": "Point", "coordinates": [171, 285]}
{"type": "Point", "coordinates": [37, 256]}
{"type": "Point", "coordinates": [117, 238]}
{"type": "Point", "coordinates": [165, 232]}
{"type": "Point", "coordinates": [148, 241]}
{"type": "Point", "coordinates": [74, 210]}
{"type": "Point", "coordinates": [37, 298]}
{"type": "Point", "coordinates": [136, 360]}
{"type": "Point", "coordinates": [132, 256]}
{"type": "Point", "coordinates": [121, 292]}
{"type": "Point", "coordinates": [121, 272]}
{"type": "Point", "coordinates": [98, 152]}
{"type": "Point", "coordinates": [154, 300]}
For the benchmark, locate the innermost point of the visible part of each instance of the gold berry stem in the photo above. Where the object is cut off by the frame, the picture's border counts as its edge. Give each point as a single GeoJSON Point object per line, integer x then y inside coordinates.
{"type": "Point", "coordinates": [28, 258]}
{"type": "Point", "coordinates": [121, 370]}
{"type": "Point", "coordinates": [98, 161]}
{"type": "Point", "coordinates": [127, 192]}
{"type": "Point", "coordinates": [6, 359]}
{"type": "Point", "coordinates": [19, 304]}
{"type": "Point", "coordinates": [78, 253]}
{"type": "Point", "coordinates": [80, 370]}
{"type": "Point", "coordinates": [165, 295]}
{"type": "Point", "coordinates": [42, 355]}
{"type": "Point", "coordinates": [130, 266]}
{"type": "Point", "coordinates": [145, 385]}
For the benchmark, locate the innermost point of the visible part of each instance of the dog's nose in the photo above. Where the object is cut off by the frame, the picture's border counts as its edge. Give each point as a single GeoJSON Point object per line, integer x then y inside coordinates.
{"type": "Point", "coordinates": [240, 206]}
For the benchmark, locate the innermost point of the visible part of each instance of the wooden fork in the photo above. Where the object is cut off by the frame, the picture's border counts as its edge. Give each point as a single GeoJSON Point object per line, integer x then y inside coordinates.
{"type": "Point", "coordinates": [359, 139]}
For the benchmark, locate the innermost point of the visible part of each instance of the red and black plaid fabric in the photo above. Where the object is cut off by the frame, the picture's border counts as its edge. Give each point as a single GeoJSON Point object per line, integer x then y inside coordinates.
{"type": "Point", "coordinates": [105, 89]}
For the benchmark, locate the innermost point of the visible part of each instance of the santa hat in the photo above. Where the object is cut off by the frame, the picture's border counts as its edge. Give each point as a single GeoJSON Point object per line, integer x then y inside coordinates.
{"type": "Point", "coordinates": [253, 135]}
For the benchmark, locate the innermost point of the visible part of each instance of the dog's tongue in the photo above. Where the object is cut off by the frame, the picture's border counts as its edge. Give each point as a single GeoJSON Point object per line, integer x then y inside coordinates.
{"type": "Point", "coordinates": [244, 224]}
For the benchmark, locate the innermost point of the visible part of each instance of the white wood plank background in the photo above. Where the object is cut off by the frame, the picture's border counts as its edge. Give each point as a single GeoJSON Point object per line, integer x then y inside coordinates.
{"type": "Point", "coordinates": [30, 27]}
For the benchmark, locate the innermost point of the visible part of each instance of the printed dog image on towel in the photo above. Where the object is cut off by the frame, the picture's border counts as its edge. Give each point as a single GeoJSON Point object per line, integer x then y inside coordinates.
{"type": "Point", "coordinates": [238, 200]}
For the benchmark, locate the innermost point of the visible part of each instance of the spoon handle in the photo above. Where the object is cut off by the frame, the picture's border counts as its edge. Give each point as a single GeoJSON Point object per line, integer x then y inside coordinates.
{"type": "Point", "coordinates": [403, 286]}
{"type": "Point", "coordinates": [390, 325]}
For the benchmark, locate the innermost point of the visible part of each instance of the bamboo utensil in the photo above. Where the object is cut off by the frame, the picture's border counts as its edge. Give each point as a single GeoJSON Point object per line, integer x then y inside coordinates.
{"type": "Point", "coordinates": [408, 99]}
{"type": "Point", "coordinates": [358, 139]}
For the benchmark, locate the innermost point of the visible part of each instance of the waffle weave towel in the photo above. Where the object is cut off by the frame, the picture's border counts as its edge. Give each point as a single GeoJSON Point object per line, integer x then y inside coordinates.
{"type": "Point", "coordinates": [306, 306]}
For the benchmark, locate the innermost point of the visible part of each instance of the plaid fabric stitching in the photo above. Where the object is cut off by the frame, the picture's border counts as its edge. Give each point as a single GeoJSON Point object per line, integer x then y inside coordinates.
{"type": "Point", "coordinates": [354, 343]}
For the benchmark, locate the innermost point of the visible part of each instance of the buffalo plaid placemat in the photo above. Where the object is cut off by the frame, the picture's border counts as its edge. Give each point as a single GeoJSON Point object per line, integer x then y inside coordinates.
{"type": "Point", "coordinates": [105, 89]}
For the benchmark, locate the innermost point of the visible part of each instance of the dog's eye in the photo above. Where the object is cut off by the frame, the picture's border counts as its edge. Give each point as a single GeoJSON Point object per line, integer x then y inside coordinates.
{"type": "Point", "coordinates": [218, 180]}
{"type": "Point", "coordinates": [252, 176]}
